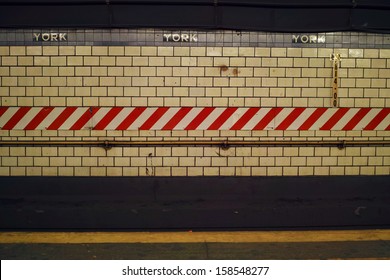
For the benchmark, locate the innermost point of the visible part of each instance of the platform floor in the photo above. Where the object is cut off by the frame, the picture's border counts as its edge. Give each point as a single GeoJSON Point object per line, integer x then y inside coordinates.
{"type": "Point", "coordinates": [273, 245]}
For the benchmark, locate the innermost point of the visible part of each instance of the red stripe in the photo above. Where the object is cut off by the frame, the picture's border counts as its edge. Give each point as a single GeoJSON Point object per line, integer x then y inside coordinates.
{"type": "Point", "coordinates": [334, 119]}
{"type": "Point", "coordinates": [222, 118]}
{"type": "Point", "coordinates": [267, 118]}
{"type": "Point", "coordinates": [356, 119]}
{"type": "Point", "coordinates": [177, 118]}
{"type": "Point", "coordinates": [20, 113]}
{"type": "Point", "coordinates": [312, 119]}
{"type": "Point", "coordinates": [245, 118]}
{"type": "Point", "coordinates": [80, 123]}
{"type": "Point", "coordinates": [134, 114]}
{"type": "Point", "coordinates": [290, 119]}
{"type": "Point", "coordinates": [388, 128]}
{"type": "Point", "coordinates": [199, 118]}
{"type": "Point", "coordinates": [108, 118]}
{"type": "Point", "coordinates": [3, 110]}
{"type": "Point", "coordinates": [43, 113]}
{"type": "Point", "coordinates": [378, 119]}
{"type": "Point", "coordinates": [154, 118]}
{"type": "Point", "coordinates": [62, 118]}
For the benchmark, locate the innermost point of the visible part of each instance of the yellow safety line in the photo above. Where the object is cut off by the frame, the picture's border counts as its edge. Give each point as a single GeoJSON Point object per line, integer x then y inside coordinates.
{"type": "Point", "coordinates": [358, 259]}
{"type": "Point", "coordinates": [194, 237]}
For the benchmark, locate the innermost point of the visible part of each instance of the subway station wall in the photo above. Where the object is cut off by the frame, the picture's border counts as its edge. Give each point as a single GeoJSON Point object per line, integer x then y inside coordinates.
{"type": "Point", "coordinates": [223, 85]}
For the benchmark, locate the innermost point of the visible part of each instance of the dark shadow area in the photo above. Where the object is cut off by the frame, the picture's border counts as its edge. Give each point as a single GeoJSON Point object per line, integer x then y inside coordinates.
{"type": "Point", "coordinates": [257, 15]}
{"type": "Point", "coordinates": [207, 203]}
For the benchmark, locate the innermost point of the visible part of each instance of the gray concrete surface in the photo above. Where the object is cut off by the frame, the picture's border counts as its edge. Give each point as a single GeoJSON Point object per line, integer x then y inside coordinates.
{"type": "Point", "coordinates": [193, 251]}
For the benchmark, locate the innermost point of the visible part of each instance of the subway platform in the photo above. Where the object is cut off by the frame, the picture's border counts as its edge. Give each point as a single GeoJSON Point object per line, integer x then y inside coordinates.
{"type": "Point", "coordinates": [224, 245]}
{"type": "Point", "coordinates": [195, 218]}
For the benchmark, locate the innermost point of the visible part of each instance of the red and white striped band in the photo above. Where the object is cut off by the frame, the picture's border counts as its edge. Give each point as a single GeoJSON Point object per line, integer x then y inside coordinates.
{"type": "Point", "coordinates": [193, 118]}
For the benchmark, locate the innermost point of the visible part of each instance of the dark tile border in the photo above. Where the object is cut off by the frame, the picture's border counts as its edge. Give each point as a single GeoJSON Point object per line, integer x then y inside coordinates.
{"type": "Point", "coordinates": [226, 38]}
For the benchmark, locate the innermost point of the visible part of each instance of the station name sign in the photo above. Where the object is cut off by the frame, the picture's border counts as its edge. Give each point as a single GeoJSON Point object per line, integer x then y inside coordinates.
{"type": "Point", "coordinates": [308, 39]}
{"type": "Point", "coordinates": [50, 37]}
{"type": "Point", "coordinates": [180, 37]}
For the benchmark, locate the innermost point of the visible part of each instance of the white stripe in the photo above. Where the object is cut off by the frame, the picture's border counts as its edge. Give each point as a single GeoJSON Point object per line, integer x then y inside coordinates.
{"type": "Point", "coordinates": [302, 118]}
{"type": "Point", "coordinates": [366, 119]}
{"type": "Point", "coordinates": [345, 119]}
{"type": "Point", "coordinates": [46, 122]}
{"type": "Point", "coordinates": [27, 118]}
{"type": "Point", "coordinates": [191, 115]}
{"type": "Point", "coordinates": [256, 119]}
{"type": "Point", "coordinates": [280, 117]}
{"type": "Point", "coordinates": [384, 124]}
{"type": "Point", "coordinates": [73, 118]}
{"type": "Point", "coordinates": [8, 115]}
{"type": "Point", "coordinates": [233, 118]}
{"type": "Point", "coordinates": [165, 118]}
{"type": "Point", "coordinates": [323, 119]}
{"type": "Point", "coordinates": [99, 115]}
{"type": "Point", "coordinates": [142, 119]}
{"type": "Point", "coordinates": [119, 118]}
{"type": "Point", "coordinates": [210, 118]}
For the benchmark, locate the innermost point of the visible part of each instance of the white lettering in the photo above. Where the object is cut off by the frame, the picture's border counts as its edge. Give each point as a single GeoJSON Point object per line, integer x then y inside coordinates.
{"type": "Point", "coordinates": [321, 39]}
{"type": "Point", "coordinates": [308, 39]}
{"type": "Point", "coordinates": [45, 37]}
{"type": "Point", "coordinates": [36, 36]}
{"type": "Point", "coordinates": [304, 39]}
{"type": "Point", "coordinates": [185, 37]}
{"type": "Point", "coordinates": [63, 37]}
{"type": "Point", "coordinates": [53, 37]}
{"type": "Point", "coordinates": [176, 37]}
{"type": "Point", "coordinates": [194, 38]}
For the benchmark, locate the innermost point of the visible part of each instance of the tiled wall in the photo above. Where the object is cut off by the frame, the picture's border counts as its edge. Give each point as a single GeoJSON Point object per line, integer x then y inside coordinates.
{"type": "Point", "coordinates": [192, 76]}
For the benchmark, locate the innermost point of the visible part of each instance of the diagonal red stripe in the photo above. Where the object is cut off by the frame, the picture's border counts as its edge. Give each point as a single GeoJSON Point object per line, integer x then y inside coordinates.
{"type": "Point", "coordinates": [43, 113]}
{"type": "Point", "coordinates": [148, 124]}
{"type": "Point", "coordinates": [378, 119]}
{"type": "Point", "coordinates": [290, 119]}
{"type": "Point", "coordinates": [356, 119]}
{"type": "Point", "coordinates": [108, 118]}
{"type": "Point", "coordinates": [3, 110]}
{"type": "Point", "coordinates": [248, 115]}
{"type": "Point", "coordinates": [56, 124]}
{"type": "Point", "coordinates": [312, 119]}
{"type": "Point", "coordinates": [222, 118]}
{"type": "Point", "coordinates": [20, 113]}
{"type": "Point", "coordinates": [134, 114]}
{"type": "Point", "coordinates": [199, 118]}
{"type": "Point", "coordinates": [267, 118]}
{"type": "Point", "coordinates": [80, 123]}
{"type": "Point", "coordinates": [334, 119]}
{"type": "Point", "coordinates": [177, 118]}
